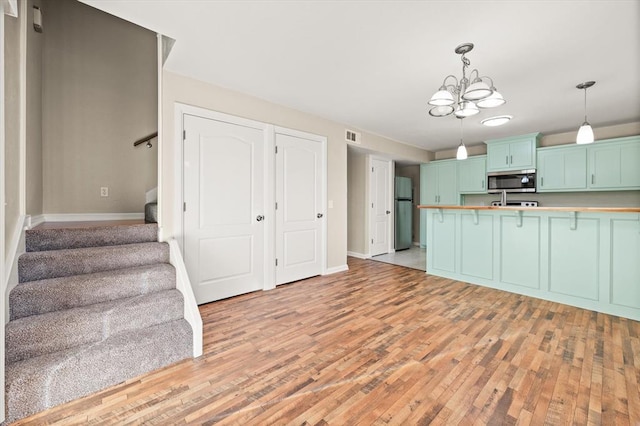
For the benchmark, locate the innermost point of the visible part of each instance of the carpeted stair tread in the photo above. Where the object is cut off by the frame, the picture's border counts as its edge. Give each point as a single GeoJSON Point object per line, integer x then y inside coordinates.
{"type": "Point", "coordinates": [49, 295]}
{"type": "Point", "coordinates": [55, 331]}
{"type": "Point", "coordinates": [67, 238]}
{"type": "Point", "coordinates": [39, 383]}
{"type": "Point", "coordinates": [40, 265]}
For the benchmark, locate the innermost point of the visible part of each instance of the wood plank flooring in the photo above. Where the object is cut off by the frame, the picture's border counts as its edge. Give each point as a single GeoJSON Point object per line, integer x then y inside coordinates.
{"type": "Point", "coordinates": [383, 344]}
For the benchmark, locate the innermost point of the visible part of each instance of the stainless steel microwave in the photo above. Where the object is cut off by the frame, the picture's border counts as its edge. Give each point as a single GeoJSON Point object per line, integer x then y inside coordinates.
{"type": "Point", "coordinates": [513, 181]}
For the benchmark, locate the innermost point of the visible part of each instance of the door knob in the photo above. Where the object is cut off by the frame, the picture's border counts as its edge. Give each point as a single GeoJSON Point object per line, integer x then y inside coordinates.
{"type": "Point", "coordinates": [319, 215]}
{"type": "Point", "coordinates": [388, 212]}
{"type": "Point", "coordinates": [259, 217]}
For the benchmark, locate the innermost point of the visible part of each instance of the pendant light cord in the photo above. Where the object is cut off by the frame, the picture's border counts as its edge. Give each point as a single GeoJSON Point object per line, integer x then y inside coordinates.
{"type": "Point", "coordinates": [585, 104]}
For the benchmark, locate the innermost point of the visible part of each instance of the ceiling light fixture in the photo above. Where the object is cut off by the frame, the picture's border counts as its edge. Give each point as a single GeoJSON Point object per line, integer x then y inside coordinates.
{"type": "Point", "coordinates": [585, 133]}
{"type": "Point", "coordinates": [465, 95]}
{"type": "Point", "coordinates": [496, 121]}
{"type": "Point", "coordinates": [461, 154]}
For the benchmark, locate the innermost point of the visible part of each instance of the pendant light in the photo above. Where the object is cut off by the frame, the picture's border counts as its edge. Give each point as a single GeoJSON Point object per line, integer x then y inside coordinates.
{"type": "Point", "coordinates": [461, 154]}
{"type": "Point", "coordinates": [585, 133]}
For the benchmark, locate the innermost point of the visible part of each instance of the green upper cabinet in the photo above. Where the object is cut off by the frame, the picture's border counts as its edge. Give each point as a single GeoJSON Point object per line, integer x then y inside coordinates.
{"type": "Point", "coordinates": [514, 153]}
{"type": "Point", "coordinates": [615, 164]}
{"type": "Point", "coordinates": [562, 169]}
{"type": "Point", "coordinates": [438, 183]}
{"type": "Point", "coordinates": [472, 175]}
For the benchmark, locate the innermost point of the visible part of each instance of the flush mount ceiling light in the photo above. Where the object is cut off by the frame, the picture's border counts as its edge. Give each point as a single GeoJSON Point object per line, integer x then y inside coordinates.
{"type": "Point", "coordinates": [585, 133]}
{"type": "Point", "coordinates": [496, 121]}
{"type": "Point", "coordinates": [463, 97]}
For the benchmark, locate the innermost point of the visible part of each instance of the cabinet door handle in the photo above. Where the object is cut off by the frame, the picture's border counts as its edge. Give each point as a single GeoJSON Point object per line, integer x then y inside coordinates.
{"type": "Point", "coordinates": [482, 183]}
{"type": "Point", "coordinates": [592, 178]}
{"type": "Point", "coordinates": [511, 159]}
{"type": "Point", "coordinates": [542, 181]}
{"type": "Point", "coordinates": [506, 159]}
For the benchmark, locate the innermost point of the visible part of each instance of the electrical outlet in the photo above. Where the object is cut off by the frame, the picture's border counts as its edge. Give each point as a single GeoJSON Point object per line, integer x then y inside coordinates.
{"type": "Point", "coordinates": [104, 191]}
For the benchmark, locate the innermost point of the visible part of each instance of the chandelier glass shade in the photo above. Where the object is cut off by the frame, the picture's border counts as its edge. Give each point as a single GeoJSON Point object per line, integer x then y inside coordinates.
{"type": "Point", "coordinates": [463, 97]}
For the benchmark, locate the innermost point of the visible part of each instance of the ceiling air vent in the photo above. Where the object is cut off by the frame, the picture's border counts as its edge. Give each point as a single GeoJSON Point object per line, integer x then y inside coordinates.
{"type": "Point", "coordinates": [352, 137]}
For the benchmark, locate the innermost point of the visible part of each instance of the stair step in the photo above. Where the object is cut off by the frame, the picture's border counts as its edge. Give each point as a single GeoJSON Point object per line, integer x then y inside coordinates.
{"type": "Point", "coordinates": [39, 383]}
{"type": "Point", "coordinates": [40, 265]}
{"type": "Point", "coordinates": [96, 236]}
{"type": "Point", "coordinates": [54, 294]}
{"type": "Point", "coordinates": [56, 331]}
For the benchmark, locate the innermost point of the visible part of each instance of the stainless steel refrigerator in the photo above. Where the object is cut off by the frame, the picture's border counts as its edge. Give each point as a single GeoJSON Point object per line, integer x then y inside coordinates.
{"type": "Point", "coordinates": [404, 212]}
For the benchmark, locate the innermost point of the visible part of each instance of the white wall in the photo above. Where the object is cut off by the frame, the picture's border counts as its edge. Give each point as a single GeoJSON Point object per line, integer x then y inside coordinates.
{"type": "Point", "coordinates": [185, 90]}
{"type": "Point", "coordinates": [99, 96]}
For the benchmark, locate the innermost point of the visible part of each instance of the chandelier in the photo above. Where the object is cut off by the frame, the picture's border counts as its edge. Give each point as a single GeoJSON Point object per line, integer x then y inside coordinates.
{"type": "Point", "coordinates": [463, 97]}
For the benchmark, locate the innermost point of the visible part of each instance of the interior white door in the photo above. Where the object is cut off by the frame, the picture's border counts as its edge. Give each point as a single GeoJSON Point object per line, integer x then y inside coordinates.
{"type": "Point", "coordinates": [380, 216]}
{"type": "Point", "coordinates": [224, 201]}
{"type": "Point", "coordinates": [300, 208]}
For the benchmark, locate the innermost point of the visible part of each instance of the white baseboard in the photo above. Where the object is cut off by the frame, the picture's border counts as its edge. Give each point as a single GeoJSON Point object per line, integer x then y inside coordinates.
{"type": "Point", "coordinates": [35, 220]}
{"type": "Point", "coordinates": [336, 269]}
{"type": "Point", "coordinates": [89, 217]}
{"type": "Point", "coordinates": [358, 255]}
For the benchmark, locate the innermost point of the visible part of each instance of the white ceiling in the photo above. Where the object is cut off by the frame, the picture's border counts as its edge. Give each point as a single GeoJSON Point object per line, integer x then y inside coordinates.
{"type": "Point", "coordinates": [375, 64]}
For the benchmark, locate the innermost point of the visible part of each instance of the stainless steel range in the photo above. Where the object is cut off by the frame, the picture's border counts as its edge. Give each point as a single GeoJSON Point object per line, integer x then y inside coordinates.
{"type": "Point", "coordinates": [515, 203]}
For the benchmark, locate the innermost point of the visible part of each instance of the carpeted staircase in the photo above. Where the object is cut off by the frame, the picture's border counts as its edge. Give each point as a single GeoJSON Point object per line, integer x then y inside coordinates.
{"type": "Point", "coordinates": [94, 307]}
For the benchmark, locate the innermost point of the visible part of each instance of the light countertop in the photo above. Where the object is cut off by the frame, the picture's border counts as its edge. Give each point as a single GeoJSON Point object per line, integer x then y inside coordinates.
{"type": "Point", "coordinates": [556, 209]}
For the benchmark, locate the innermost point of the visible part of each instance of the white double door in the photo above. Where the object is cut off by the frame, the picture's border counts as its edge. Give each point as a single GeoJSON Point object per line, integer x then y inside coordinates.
{"type": "Point", "coordinates": [233, 179]}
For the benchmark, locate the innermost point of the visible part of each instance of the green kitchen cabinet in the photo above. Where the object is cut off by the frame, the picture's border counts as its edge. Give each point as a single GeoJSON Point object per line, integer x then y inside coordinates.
{"type": "Point", "coordinates": [562, 169]}
{"type": "Point", "coordinates": [625, 267]}
{"type": "Point", "coordinates": [444, 237]}
{"type": "Point", "coordinates": [583, 257]}
{"type": "Point", "coordinates": [514, 153]}
{"type": "Point", "coordinates": [573, 256]}
{"type": "Point", "coordinates": [615, 164]}
{"type": "Point", "coordinates": [476, 244]}
{"type": "Point", "coordinates": [439, 180]}
{"type": "Point", "coordinates": [472, 175]}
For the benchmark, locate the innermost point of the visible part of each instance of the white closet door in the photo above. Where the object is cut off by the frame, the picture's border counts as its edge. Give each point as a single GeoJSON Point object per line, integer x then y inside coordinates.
{"type": "Point", "coordinates": [300, 209]}
{"type": "Point", "coordinates": [224, 206]}
{"type": "Point", "coordinates": [380, 200]}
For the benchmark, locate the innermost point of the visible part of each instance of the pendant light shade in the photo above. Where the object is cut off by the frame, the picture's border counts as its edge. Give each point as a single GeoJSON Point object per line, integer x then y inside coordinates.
{"type": "Point", "coordinates": [461, 154]}
{"type": "Point", "coordinates": [585, 133]}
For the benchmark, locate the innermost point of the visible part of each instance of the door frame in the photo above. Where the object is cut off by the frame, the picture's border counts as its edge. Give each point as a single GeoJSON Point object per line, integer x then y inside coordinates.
{"type": "Point", "coordinates": [370, 218]}
{"type": "Point", "coordinates": [180, 110]}
{"type": "Point", "coordinates": [323, 227]}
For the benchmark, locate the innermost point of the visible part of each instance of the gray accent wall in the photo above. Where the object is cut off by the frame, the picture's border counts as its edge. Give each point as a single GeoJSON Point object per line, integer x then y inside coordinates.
{"type": "Point", "coordinates": [33, 148]}
{"type": "Point", "coordinates": [99, 95]}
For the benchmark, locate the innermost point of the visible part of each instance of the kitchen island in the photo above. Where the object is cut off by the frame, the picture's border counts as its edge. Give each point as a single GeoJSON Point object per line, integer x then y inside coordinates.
{"type": "Point", "coordinates": [581, 256]}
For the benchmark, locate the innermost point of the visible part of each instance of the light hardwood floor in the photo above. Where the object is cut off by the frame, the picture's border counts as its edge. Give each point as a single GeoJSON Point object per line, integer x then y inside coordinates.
{"type": "Point", "coordinates": [383, 344]}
